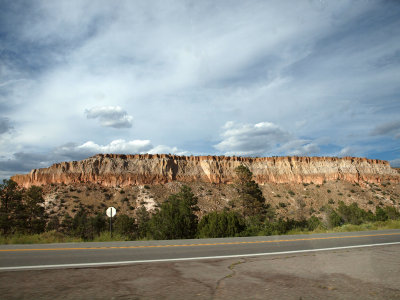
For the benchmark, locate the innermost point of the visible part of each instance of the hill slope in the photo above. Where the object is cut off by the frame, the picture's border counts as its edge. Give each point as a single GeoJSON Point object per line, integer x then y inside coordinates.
{"type": "Point", "coordinates": [296, 187]}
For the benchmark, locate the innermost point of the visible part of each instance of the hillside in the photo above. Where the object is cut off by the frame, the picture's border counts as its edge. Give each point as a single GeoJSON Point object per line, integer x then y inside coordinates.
{"type": "Point", "coordinates": [295, 186]}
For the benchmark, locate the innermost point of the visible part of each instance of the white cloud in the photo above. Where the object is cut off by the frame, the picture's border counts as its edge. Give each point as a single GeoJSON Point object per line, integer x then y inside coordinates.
{"type": "Point", "coordinates": [263, 138]}
{"type": "Point", "coordinates": [395, 163]}
{"type": "Point", "coordinates": [249, 139]}
{"type": "Point", "coordinates": [347, 151]}
{"type": "Point", "coordinates": [118, 147]}
{"type": "Point", "coordinates": [110, 116]}
{"type": "Point", "coordinates": [21, 162]}
{"type": "Point", "coordinates": [166, 150]}
{"type": "Point", "coordinates": [299, 147]}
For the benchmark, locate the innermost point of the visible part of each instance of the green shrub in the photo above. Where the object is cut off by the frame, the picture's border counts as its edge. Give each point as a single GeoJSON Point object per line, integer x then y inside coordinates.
{"type": "Point", "coordinates": [313, 223]}
{"type": "Point", "coordinates": [175, 219]}
{"type": "Point", "coordinates": [334, 219]}
{"type": "Point", "coordinates": [53, 224]}
{"type": "Point", "coordinates": [282, 226]}
{"type": "Point", "coordinates": [380, 214]}
{"type": "Point", "coordinates": [392, 213]}
{"type": "Point", "coordinates": [220, 224]}
{"type": "Point", "coordinates": [254, 226]}
{"type": "Point", "coordinates": [353, 214]}
{"type": "Point", "coordinates": [125, 226]}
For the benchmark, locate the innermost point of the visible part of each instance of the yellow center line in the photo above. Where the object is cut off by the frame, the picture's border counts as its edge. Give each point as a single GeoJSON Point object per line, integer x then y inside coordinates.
{"type": "Point", "coordinates": [205, 244]}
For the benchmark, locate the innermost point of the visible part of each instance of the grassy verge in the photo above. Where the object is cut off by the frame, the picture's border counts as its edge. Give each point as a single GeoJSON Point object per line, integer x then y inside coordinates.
{"type": "Point", "coordinates": [379, 225]}
{"type": "Point", "coordinates": [56, 237]}
{"type": "Point", "coordinates": [105, 237]}
{"type": "Point", "coordinates": [42, 238]}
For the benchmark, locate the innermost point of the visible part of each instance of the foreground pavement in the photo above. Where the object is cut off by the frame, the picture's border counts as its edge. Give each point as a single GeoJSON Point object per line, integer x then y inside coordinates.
{"type": "Point", "coordinates": [357, 273]}
{"type": "Point", "coordinates": [354, 265]}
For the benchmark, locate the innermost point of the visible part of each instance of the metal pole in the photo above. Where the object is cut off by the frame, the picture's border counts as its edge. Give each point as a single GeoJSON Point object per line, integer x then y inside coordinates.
{"type": "Point", "coordinates": [111, 225]}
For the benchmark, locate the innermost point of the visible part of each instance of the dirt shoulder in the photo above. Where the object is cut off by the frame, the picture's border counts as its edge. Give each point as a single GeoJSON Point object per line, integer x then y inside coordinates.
{"type": "Point", "coordinates": [364, 273]}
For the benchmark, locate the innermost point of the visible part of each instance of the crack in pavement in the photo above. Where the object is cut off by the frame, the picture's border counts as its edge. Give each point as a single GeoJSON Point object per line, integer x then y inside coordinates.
{"type": "Point", "coordinates": [231, 267]}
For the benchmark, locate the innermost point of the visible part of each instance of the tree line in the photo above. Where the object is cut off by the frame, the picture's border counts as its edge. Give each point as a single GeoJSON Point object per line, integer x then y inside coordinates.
{"type": "Point", "coordinates": [22, 211]}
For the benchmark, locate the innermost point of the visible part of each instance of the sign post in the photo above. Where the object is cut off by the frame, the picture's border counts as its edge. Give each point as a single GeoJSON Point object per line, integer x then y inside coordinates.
{"type": "Point", "coordinates": [110, 212]}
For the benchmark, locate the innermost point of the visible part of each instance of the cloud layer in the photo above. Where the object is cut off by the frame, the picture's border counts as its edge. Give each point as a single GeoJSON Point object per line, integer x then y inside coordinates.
{"type": "Point", "coordinates": [110, 116]}
{"type": "Point", "coordinates": [5, 125]}
{"type": "Point", "coordinates": [390, 128]}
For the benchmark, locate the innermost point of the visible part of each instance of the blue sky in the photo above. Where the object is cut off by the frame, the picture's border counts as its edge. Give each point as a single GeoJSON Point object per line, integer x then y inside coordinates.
{"type": "Point", "coordinates": [255, 78]}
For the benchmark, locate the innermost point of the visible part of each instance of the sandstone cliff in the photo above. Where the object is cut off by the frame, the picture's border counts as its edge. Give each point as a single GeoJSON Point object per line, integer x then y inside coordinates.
{"type": "Point", "coordinates": [113, 170]}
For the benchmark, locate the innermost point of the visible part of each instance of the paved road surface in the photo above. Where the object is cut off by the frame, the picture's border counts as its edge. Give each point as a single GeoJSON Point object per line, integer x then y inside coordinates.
{"type": "Point", "coordinates": [23, 257]}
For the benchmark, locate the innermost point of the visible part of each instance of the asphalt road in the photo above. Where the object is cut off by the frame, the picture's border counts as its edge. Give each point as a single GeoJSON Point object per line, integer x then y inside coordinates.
{"type": "Point", "coordinates": [24, 257]}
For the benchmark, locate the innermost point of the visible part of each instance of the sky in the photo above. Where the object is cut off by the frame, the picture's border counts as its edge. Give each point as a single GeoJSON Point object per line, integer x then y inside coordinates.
{"type": "Point", "coordinates": [252, 78]}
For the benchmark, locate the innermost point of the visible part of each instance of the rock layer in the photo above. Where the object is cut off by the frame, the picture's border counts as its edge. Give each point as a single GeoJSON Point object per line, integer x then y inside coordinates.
{"type": "Point", "coordinates": [123, 170]}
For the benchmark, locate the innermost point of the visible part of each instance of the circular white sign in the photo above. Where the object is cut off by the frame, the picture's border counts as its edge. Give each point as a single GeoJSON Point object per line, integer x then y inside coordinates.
{"type": "Point", "coordinates": [111, 211]}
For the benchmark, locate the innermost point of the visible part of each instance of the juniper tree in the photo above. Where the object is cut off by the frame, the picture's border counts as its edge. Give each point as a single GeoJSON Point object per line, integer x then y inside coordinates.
{"type": "Point", "coordinates": [125, 225]}
{"type": "Point", "coordinates": [142, 219]}
{"type": "Point", "coordinates": [220, 224]}
{"type": "Point", "coordinates": [11, 204]}
{"type": "Point", "coordinates": [35, 215]}
{"type": "Point", "coordinates": [176, 217]}
{"type": "Point", "coordinates": [21, 210]}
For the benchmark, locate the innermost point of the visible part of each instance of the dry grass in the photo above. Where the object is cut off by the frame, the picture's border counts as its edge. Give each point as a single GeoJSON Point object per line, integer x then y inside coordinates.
{"type": "Point", "coordinates": [379, 225]}
{"type": "Point", "coordinates": [42, 238]}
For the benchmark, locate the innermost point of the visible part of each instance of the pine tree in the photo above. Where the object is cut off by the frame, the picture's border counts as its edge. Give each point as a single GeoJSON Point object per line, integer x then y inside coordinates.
{"type": "Point", "coordinates": [251, 199]}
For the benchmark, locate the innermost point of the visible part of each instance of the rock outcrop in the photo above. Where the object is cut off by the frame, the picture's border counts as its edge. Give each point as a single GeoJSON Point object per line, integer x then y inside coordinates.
{"type": "Point", "coordinates": [123, 170]}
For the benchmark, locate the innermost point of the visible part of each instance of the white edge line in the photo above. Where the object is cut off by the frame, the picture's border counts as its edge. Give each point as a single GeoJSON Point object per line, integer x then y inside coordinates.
{"type": "Point", "coordinates": [80, 265]}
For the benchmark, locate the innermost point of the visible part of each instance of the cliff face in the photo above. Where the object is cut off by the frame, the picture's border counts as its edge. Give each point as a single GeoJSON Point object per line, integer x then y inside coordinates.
{"type": "Point", "coordinates": [112, 170]}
